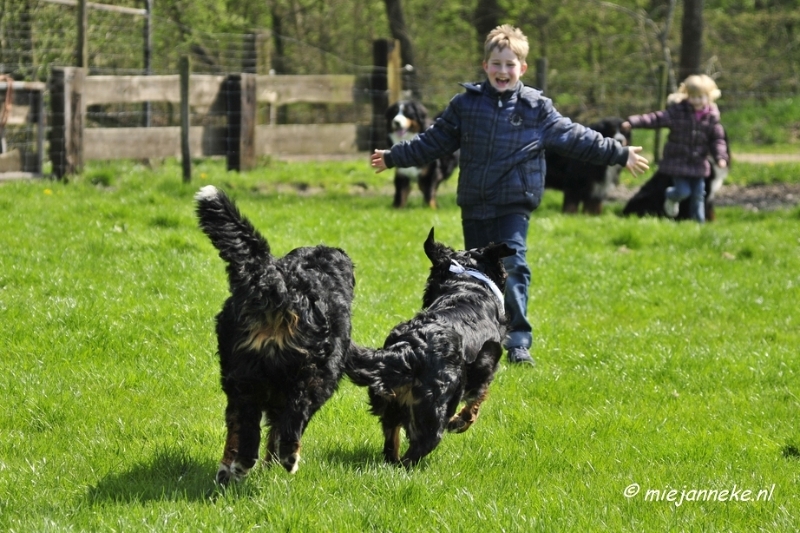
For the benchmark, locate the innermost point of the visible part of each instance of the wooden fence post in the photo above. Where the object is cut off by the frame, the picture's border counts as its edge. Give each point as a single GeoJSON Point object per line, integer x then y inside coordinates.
{"type": "Point", "coordinates": [147, 108]}
{"type": "Point", "coordinates": [67, 115]}
{"type": "Point", "coordinates": [240, 95]}
{"type": "Point", "coordinates": [256, 50]}
{"type": "Point", "coordinates": [186, 155]}
{"type": "Point", "coordinates": [23, 63]}
{"type": "Point", "coordinates": [379, 92]}
{"type": "Point", "coordinates": [82, 46]}
{"type": "Point", "coordinates": [37, 105]}
{"type": "Point", "coordinates": [394, 70]}
{"type": "Point", "coordinates": [541, 74]}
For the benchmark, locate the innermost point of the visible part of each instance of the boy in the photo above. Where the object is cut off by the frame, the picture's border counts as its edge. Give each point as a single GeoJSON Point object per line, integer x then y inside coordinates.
{"type": "Point", "coordinates": [502, 129]}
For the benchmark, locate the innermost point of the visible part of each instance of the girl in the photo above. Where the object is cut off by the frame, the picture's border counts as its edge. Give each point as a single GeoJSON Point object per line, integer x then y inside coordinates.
{"type": "Point", "coordinates": [695, 133]}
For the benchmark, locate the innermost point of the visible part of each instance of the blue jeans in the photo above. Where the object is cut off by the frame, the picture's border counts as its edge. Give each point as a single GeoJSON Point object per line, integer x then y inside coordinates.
{"type": "Point", "coordinates": [684, 187]}
{"type": "Point", "coordinates": [512, 230]}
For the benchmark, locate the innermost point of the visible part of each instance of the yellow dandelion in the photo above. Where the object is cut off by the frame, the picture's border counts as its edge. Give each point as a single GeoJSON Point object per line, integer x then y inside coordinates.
{"type": "Point", "coordinates": [203, 175]}
{"type": "Point", "coordinates": [48, 191]}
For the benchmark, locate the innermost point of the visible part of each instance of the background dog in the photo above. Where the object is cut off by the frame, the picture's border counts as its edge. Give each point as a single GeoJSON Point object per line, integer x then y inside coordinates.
{"type": "Point", "coordinates": [649, 199]}
{"type": "Point", "coordinates": [404, 120]}
{"type": "Point", "coordinates": [282, 335]}
{"type": "Point", "coordinates": [448, 352]}
{"type": "Point", "coordinates": [585, 183]}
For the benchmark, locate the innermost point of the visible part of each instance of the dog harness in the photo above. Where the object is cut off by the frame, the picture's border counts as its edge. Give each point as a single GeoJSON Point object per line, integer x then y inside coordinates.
{"type": "Point", "coordinates": [457, 268]}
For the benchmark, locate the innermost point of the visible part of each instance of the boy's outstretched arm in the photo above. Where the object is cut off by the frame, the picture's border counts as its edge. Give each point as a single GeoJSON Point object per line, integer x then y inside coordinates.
{"type": "Point", "coordinates": [377, 161]}
{"type": "Point", "coordinates": [636, 163]}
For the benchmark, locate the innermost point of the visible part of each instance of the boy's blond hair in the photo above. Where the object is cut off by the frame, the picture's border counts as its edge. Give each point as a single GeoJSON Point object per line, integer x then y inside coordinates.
{"type": "Point", "coordinates": [506, 36]}
{"type": "Point", "coordinates": [696, 85]}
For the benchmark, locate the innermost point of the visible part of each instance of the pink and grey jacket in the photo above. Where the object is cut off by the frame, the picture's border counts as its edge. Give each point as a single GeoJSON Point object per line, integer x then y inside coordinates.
{"type": "Point", "coordinates": [691, 139]}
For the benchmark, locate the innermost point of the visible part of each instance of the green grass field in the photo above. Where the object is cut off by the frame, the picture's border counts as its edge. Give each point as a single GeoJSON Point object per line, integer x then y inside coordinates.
{"type": "Point", "coordinates": [667, 360]}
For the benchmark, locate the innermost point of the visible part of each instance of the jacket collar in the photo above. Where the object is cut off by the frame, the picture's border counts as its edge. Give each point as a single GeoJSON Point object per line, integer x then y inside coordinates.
{"type": "Point", "coordinates": [486, 88]}
{"type": "Point", "coordinates": [713, 111]}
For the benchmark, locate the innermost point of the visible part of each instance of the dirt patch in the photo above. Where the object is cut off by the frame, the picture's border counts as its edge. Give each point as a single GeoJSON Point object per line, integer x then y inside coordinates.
{"type": "Point", "coordinates": [767, 158]}
{"type": "Point", "coordinates": [752, 197]}
{"type": "Point", "coordinates": [760, 197]}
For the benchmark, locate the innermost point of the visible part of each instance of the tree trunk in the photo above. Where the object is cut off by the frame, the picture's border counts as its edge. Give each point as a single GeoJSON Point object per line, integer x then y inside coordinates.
{"type": "Point", "coordinates": [691, 38]}
{"type": "Point", "coordinates": [487, 16]}
{"type": "Point", "coordinates": [397, 26]}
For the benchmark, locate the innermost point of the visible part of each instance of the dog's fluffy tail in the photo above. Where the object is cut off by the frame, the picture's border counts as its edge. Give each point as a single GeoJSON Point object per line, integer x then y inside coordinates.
{"type": "Point", "coordinates": [404, 361]}
{"type": "Point", "coordinates": [381, 370]}
{"type": "Point", "coordinates": [240, 245]}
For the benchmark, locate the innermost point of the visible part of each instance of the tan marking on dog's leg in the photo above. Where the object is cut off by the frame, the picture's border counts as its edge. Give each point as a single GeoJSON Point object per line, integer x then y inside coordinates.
{"type": "Point", "coordinates": [593, 207]}
{"type": "Point", "coordinates": [291, 462]}
{"type": "Point", "coordinates": [225, 472]}
{"type": "Point", "coordinates": [271, 453]}
{"type": "Point", "coordinates": [396, 444]}
{"type": "Point", "coordinates": [466, 417]}
{"type": "Point", "coordinates": [391, 444]}
{"type": "Point", "coordinates": [404, 194]}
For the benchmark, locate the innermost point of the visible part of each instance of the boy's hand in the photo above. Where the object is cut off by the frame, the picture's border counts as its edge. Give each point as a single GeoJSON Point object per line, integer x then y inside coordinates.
{"type": "Point", "coordinates": [377, 161]}
{"type": "Point", "coordinates": [722, 163]}
{"type": "Point", "coordinates": [636, 163]}
{"type": "Point", "coordinates": [625, 127]}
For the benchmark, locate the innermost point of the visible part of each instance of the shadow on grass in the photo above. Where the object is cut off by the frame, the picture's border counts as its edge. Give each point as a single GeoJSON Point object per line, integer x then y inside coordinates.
{"type": "Point", "coordinates": [168, 476]}
{"type": "Point", "coordinates": [364, 458]}
{"type": "Point", "coordinates": [361, 457]}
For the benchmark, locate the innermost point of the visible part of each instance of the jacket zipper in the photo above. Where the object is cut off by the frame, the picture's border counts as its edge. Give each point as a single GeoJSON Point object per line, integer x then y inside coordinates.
{"type": "Point", "coordinates": [491, 147]}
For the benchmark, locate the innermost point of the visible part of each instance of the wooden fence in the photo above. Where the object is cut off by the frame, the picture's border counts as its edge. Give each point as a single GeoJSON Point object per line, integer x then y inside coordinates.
{"type": "Point", "coordinates": [233, 99]}
{"type": "Point", "coordinates": [234, 96]}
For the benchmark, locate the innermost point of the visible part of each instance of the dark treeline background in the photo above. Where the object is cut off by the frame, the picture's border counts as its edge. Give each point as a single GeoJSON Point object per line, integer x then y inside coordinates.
{"type": "Point", "coordinates": [602, 57]}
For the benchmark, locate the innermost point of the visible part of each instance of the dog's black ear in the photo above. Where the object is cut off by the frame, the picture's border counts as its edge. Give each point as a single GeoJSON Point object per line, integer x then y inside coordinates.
{"type": "Point", "coordinates": [420, 112]}
{"type": "Point", "coordinates": [436, 252]}
{"type": "Point", "coordinates": [498, 251]}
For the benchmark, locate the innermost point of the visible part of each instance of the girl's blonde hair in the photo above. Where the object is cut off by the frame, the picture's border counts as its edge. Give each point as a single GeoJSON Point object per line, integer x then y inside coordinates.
{"type": "Point", "coordinates": [506, 36]}
{"type": "Point", "coordinates": [696, 85]}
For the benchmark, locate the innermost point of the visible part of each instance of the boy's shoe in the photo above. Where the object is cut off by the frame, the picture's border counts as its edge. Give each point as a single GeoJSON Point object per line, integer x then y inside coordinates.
{"type": "Point", "coordinates": [671, 208]}
{"type": "Point", "coordinates": [518, 354]}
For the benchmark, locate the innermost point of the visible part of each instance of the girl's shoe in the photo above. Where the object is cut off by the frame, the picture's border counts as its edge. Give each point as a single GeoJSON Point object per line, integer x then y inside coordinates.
{"type": "Point", "coordinates": [671, 208]}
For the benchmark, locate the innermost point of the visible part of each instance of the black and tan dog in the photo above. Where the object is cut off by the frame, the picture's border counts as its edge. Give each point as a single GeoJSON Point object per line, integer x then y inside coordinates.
{"type": "Point", "coordinates": [404, 121]}
{"type": "Point", "coordinates": [282, 335]}
{"type": "Point", "coordinates": [586, 185]}
{"type": "Point", "coordinates": [649, 199]}
{"type": "Point", "coordinates": [447, 353]}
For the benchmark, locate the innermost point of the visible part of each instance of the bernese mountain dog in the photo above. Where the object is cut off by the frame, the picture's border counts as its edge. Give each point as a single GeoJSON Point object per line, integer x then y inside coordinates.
{"type": "Point", "coordinates": [405, 120]}
{"type": "Point", "coordinates": [649, 199]}
{"type": "Point", "coordinates": [586, 183]}
{"type": "Point", "coordinates": [282, 335]}
{"type": "Point", "coordinates": [445, 355]}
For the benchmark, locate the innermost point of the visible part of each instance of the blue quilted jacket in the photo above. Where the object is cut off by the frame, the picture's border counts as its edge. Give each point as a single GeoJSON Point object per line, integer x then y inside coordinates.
{"type": "Point", "coordinates": [502, 137]}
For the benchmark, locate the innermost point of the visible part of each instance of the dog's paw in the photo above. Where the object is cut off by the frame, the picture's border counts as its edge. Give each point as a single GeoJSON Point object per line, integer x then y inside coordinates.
{"type": "Point", "coordinates": [458, 425]}
{"type": "Point", "coordinates": [223, 475]}
{"type": "Point", "coordinates": [291, 462]}
{"type": "Point", "coordinates": [233, 472]}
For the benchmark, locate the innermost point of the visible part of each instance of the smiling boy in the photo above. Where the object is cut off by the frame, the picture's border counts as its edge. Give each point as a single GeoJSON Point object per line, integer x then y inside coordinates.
{"type": "Point", "coordinates": [502, 128]}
